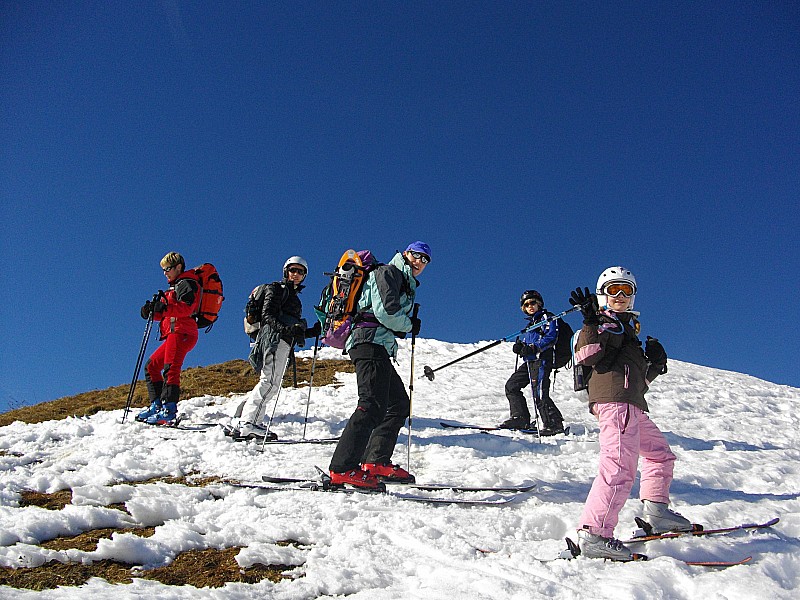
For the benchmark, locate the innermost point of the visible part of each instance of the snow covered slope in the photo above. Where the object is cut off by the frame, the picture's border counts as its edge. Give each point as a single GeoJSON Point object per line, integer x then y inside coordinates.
{"type": "Point", "coordinates": [736, 438]}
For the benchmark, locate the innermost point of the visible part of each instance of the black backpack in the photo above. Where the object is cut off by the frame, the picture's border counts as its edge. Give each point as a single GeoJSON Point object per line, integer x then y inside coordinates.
{"type": "Point", "coordinates": [562, 352]}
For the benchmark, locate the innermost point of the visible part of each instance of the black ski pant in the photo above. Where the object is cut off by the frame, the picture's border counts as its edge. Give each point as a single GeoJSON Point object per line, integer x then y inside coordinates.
{"type": "Point", "coordinates": [521, 378]}
{"type": "Point", "coordinates": [383, 406]}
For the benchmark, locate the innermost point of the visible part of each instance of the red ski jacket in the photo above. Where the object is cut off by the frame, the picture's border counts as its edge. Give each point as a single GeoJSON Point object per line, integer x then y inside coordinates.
{"type": "Point", "coordinates": [181, 301]}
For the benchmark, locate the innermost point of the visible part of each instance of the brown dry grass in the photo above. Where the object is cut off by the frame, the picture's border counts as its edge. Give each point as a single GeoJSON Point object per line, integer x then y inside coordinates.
{"type": "Point", "coordinates": [232, 377]}
{"type": "Point", "coordinates": [209, 567]}
{"type": "Point", "coordinates": [199, 568]}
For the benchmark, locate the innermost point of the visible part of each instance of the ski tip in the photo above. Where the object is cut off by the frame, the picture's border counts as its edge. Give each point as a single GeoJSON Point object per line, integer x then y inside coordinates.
{"type": "Point", "coordinates": [719, 563]}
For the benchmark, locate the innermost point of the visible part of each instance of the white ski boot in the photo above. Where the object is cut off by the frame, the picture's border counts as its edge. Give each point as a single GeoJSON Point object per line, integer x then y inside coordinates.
{"type": "Point", "coordinates": [597, 546]}
{"type": "Point", "coordinates": [662, 519]}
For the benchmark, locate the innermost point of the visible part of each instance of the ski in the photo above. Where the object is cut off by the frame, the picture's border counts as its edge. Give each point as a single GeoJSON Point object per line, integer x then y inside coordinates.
{"type": "Point", "coordinates": [332, 440]}
{"type": "Point", "coordinates": [429, 487]}
{"type": "Point", "coordinates": [638, 539]}
{"type": "Point", "coordinates": [573, 551]}
{"type": "Point", "coordinates": [202, 427]}
{"type": "Point", "coordinates": [307, 485]}
{"type": "Point", "coordinates": [178, 424]}
{"type": "Point", "coordinates": [484, 428]}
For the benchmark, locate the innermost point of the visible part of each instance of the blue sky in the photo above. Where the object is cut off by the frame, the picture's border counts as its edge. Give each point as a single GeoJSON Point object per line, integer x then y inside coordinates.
{"type": "Point", "coordinates": [530, 144]}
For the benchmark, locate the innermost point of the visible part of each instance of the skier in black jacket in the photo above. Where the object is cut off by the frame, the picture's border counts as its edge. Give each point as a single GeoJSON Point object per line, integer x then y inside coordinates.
{"type": "Point", "coordinates": [274, 320]}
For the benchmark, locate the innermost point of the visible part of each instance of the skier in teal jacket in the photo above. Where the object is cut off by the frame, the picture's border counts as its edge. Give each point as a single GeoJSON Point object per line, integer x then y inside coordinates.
{"type": "Point", "coordinates": [385, 312]}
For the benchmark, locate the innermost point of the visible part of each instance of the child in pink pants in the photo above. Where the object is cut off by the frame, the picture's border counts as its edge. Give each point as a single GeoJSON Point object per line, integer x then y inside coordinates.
{"type": "Point", "coordinates": [620, 375]}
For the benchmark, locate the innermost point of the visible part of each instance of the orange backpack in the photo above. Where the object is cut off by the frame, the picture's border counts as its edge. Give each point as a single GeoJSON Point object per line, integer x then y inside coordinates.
{"type": "Point", "coordinates": [210, 295]}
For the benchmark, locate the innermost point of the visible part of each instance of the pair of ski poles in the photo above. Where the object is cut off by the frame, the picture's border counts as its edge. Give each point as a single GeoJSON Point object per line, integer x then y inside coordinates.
{"type": "Point", "coordinates": [142, 349]}
{"type": "Point", "coordinates": [308, 397]}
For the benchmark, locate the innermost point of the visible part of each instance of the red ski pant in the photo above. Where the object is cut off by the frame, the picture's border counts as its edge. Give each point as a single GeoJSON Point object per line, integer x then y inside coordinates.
{"type": "Point", "coordinates": [167, 360]}
{"type": "Point", "coordinates": [626, 433]}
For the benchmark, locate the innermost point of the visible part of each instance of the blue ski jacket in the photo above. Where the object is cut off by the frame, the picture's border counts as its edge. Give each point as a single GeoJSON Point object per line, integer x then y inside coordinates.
{"type": "Point", "coordinates": [542, 339]}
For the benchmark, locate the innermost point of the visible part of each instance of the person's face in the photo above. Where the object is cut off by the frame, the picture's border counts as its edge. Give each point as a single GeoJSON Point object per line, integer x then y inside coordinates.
{"type": "Point", "coordinates": [417, 260]}
{"type": "Point", "coordinates": [172, 272]}
{"type": "Point", "coordinates": [295, 274]}
{"type": "Point", "coordinates": [619, 296]}
{"type": "Point", "coordinates": [529, 307]}
{"type": "Point", "coordinates": [618, 303]}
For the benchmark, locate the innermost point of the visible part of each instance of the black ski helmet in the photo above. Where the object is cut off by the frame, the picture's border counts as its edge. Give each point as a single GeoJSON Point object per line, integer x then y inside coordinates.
{"type": "Point", "coordinates": [531, 295]}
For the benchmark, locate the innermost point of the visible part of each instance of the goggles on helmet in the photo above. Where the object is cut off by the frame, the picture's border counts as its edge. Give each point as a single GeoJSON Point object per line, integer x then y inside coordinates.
{"type": "Point", "coordinates": [616, 288]}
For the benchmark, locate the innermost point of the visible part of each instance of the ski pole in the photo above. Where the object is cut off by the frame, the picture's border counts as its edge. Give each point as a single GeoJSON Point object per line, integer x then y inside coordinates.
{"type": "Point", "coordinates": [279, 383]}
{"type": "Point", "coordinates": [411, 390]}
{"type": "Point", "coordinates": [535, 395]}
{"type": "Point", "coordinates": [429, 373]}
{"type": "Point", "coordinates": [294, 369]}
{"type": "Point", "coordinates": [142, 349]}
{"type": "Point", "coordinates": [311, 383]}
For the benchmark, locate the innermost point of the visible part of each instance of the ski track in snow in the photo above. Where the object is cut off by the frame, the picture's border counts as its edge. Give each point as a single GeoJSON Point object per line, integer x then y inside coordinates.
{"type": "Point", "coordinates": [736, 438]}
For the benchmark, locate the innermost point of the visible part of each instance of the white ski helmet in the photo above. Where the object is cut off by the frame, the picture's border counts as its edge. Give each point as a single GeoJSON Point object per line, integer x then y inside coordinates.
{"type": "Point", "coordinates": [294, 260]}
{"type": "Point", "coordinates": [614, 275]}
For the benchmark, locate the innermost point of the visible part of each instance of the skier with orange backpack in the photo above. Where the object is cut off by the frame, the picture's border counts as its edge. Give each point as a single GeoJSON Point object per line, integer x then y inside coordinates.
{"type": "Point", "coordinates": [175, 309]}
{"type": "Point", "coordinates": [384, 311]}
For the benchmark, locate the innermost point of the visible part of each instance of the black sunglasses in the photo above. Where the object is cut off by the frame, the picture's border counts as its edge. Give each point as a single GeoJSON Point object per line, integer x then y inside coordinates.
{"type": "Point", "coordinates": [420, 256]}
{"type": "Point", "coordinates": [296, 270]}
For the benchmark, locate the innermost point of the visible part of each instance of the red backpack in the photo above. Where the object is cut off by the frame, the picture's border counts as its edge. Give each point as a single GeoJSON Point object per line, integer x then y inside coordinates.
{"type": "Point", "coordinates": [210, 295]}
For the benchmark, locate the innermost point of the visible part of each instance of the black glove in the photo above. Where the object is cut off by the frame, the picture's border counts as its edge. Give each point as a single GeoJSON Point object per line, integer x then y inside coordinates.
{"type": "Point", "coordinates": [159, 306]}
{"type": "Point", "coordinates": [415, 325]}
{"type": "Point", "coordinates": [654, 351]}
{"type": "Point", "coordinates": [146, 308]}
{"type": "Point", "coordinates": [298, 331]}
{"type": "Point", "coordinates": [588, 303]}
{"type": "Point", "coordinates": [314, 331]}
{"type": "Point", "coordinates": [523, 349]}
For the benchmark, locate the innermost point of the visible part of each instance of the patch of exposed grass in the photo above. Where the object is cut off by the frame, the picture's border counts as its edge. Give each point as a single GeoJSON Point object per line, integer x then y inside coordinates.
{"type": "Point", "coordinates": [87, 541]}
{"type": "Point", "coordinates": [232, 377]}
{"type": "Point", "coordinates": [54, 501]}
{"type": "Point", "coordinates": [199, 568]}
{"type": "Point", "coordinates": [208, 567]}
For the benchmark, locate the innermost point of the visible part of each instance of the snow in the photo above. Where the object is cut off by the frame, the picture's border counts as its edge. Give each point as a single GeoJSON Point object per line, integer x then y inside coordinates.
{"type": "Point", "coordinates": [736, 438]}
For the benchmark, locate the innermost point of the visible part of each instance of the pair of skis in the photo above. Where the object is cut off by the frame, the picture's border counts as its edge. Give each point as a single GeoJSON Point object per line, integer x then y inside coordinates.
{"type": "Point", "coordinates": [573, 551]}
{"type": "Point", "coordinates": [203, 427]}
{"type": "Point", "coordinates": [323, 484]}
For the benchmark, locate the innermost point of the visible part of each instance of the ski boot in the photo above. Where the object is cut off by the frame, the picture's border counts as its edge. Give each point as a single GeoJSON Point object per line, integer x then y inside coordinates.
{"type": "Point", "coordinates": [389, 472]}
{"type": "Point", "coordinates": [155, 406]}
{"type": "Point", "coordinates": [597, 546]}
{"type": "Point", "coordinates": [661, 519]}
{"type": "Point", "coordinates": [167, 416]}
{"type": "Point", "coordinates": [552, 429]}
{"type": "Point", "coordinates": [357, 478]}
{"type": "Point", "coordinates": [516, 423]}
{"type": "Point", "coordinates": [251, 431]}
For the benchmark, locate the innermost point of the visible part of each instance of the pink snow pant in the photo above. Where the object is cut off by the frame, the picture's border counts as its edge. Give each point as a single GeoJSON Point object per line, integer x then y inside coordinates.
{"type": "Point", "coordinates": [626, 433]}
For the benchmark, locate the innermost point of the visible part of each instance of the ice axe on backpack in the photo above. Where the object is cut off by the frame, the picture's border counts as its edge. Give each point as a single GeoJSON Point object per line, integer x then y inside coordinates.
{"type": "Point", "coordinates": [429, 373]}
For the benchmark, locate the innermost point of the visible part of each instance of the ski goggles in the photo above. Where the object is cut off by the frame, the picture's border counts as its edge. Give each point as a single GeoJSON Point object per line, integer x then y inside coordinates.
{"type": "Point", "coordinates": [617, 288]}
{"type": "Point", "coordinates": [421, 257]}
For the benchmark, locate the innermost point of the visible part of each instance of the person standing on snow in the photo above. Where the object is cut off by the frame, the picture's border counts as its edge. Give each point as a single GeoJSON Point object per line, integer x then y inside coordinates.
{"type": "Point", "coordinates": [620, 376]}
{"type": "Point", "coordinates": [536, 348]}
{"type": "Point", "coordinates": [364, 452]}
{"type": "Point", "coordinates": [274, 320]}
{"type": "Point", "coordinates": [175, 310]}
